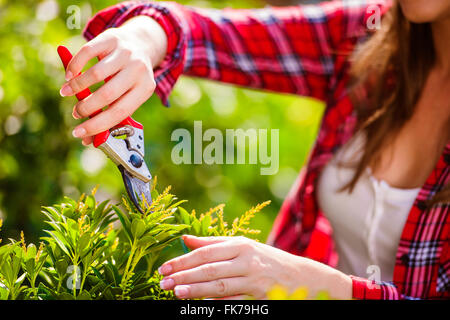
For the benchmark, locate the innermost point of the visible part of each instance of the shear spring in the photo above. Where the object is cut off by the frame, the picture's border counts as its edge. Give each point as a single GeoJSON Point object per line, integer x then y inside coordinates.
{"type": "Point", "coordinates": [126, 130]}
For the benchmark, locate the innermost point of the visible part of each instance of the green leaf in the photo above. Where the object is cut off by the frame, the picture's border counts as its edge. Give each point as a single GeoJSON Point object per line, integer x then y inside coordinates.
{"type": "Point", "coordinates": [61, 267]}
{"type": "Point", "coordinates": [137, 228]}
{"type": "Point", "coordinates": [154, 193]}
{"type": "Point", "coordinates": [206, 222]}
{"type": "Point", "coordinates": [84, 295]}
{"type": "Point", "coordinates": [145, 298]}
{"type": "Point", "coordinates": [184, 216]}
{"type": "Point", "coordinates": [177, 204]}
{"type": "Point", "coordinates": [107, 293]}
{"type": "Point", "coordinates": [97, 289]}
{"type": "Point", "coordinates": [111, 275]}
{"type": "Point", "coordinates": [90, 201]}
{"type": "Point", "coordinates": [161, 245]}
{"type": "Point", "coordinates": [125, 222]}
{"type": "Point", "coordinates": [70, 202]}
{"type": "Point", "coordinates": [29, 266]}
{"type": "Point", "coordinates": [31, 251]}
{"type": "Point", "coordinates": [68, 212]}
{"type": "Point", "coordinates": [73, 229]}
{"type": "Point", "coordinates": [4, 293]}
{"type": "Point", "coordinates": [21, 278]}
{"type": "Point", "coordinates": [98, 276]}
{"type": "Point", "coordinates": [138, 276]}
{"type": "Point", "coordinates": [197, 226]}
{"type": "Point", "coordinates": [65, 296]}
{"type": "Point", "coordinates": [84, 242]}
{"type": "Point", "coordinates": [146, 240]}
{"type": "Point", "coordinates": [140, 288]}
{"type": "Point", "coordinates": [59, 242]}
{"type": "Point", "coordinates": [50, 291]}
{"type": "Point", "coordinates": [99, 211]}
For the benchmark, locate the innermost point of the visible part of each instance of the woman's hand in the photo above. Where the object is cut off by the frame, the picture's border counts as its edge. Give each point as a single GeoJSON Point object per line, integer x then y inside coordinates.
{"type": "Point", "coordinates": [239, 267]}
{"type": "Point", "coordinates": [128, 55]}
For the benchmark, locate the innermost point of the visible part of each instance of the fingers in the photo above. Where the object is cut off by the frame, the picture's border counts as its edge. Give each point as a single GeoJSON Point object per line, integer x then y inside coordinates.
{"type": "Point", "coordinates": [119, 110]}
{"type": "Point", "coordinates": [193, 242]}
{"type": "Point", "coordinates": [212, 289]}
{"type": "Point", "coordinates": [98, 47]}
{"type": "Point", "coordinates": [221, 251]}
{"type": "Point", "coordinates": [105, 95]}
{"type": "Point", "coordinates": [106, 67]}
{"type": "Point", "coordinates": [131, 81]}
{"type": "Point", "coordinates": [207, 272]}
{"type": "Point", "coordinates": [87, 141]}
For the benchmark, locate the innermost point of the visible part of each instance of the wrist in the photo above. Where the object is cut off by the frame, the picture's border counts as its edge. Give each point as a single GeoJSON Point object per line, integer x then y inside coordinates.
{"type": "Point", "coordinates": [341, 286]}
{"type": "Point", "coordinates": [150, 35]}
{"type": "Point", "coordinates": [322, 277]}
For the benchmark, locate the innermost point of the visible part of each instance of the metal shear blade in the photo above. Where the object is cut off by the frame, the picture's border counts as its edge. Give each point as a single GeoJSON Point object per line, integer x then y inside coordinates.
{"type": "Point", "coordinates": [136, 189]}
{"type": "Point", "coordinates": [128, 154]}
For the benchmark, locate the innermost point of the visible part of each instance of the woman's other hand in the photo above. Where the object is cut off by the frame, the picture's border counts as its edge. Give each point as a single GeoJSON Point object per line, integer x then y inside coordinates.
{"type": "Point", "coordinates": [236, 267]}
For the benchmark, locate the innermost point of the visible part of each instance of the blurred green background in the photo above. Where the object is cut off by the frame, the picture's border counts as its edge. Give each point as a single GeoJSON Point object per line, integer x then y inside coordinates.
{"type": "Point", "coordinates": [40, 161]}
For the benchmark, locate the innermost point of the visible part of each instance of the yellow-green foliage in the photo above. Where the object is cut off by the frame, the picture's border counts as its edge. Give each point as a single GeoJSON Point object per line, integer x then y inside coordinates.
{"type": "Point", "coordinates": [278, 292]}
{"type": "Point", "coordinates": [103, 251]}
{"type": "Point", "coordinates": [212, 222]}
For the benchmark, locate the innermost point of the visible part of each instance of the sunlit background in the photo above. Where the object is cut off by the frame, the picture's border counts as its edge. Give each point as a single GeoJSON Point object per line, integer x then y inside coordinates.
{"type": "Point", "coordinates": [40, 162]}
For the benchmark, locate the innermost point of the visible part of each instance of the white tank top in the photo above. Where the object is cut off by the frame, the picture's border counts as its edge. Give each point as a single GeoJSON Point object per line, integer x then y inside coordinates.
{"type": "Point", "coordinates": [367, 224]}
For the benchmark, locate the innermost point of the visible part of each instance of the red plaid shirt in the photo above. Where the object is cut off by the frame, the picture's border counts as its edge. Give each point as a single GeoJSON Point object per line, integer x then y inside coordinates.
{"type": "Point", "coordinates": [301, 50]}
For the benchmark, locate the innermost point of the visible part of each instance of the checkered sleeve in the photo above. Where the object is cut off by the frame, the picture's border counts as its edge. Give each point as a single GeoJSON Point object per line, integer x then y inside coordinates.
{"type": "Point", "coordinates": [283, 49]}
{"type": "Point", "coordinates": [288, 49]}
{"type": "Point", "coordinates": [365, 289]}
{"type": "Point", "coordinates": [370, 290]}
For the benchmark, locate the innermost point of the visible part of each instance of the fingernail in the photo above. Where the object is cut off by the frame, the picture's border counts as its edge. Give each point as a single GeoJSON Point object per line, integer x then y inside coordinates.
{"type": "Point", "coordinates": [76, 115]}
{"type": "Point", "coordinates": [69, 75]}
{"type": "Point", "coordinates": [181, 291]}
{"type": "Point", "coordinates": [165, 269]}
{"type": "Point", "coordinates": [166, 284]}
{"type": "Point", "coordinates": [78, 132]}
{"type": "Point", "coordinates": [66, 90]}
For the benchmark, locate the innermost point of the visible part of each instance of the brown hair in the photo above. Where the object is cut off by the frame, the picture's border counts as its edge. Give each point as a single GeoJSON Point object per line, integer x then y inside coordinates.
{"type": "Point", "coordinates": [389, 72]}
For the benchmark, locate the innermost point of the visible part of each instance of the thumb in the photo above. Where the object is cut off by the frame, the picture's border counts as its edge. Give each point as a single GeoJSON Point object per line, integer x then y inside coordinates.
{"type": "Point", "coordinates": [193, 242]}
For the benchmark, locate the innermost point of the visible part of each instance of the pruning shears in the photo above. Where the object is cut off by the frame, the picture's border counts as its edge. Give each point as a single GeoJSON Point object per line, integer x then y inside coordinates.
{"type": "Point", "coordinates": [124, 145]}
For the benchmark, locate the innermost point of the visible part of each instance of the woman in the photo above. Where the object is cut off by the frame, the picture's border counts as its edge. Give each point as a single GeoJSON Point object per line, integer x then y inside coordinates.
{"type": "Point", "coordinates": [378, 176]}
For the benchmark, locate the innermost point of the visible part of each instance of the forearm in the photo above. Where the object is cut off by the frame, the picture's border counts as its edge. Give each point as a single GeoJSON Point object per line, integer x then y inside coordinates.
{"type": "Point", "coordinates": [319, 277]}
{"type": "Point", "coordinates": [337, 284]}
{"type": "Point", "coordinates": [231, 45]}
{"type": "Point", "coordinates": [279, 49]}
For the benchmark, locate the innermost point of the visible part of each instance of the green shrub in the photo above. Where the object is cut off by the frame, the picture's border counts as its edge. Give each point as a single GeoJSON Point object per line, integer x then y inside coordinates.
{"type": "Point", "coordinates": [102, 251]}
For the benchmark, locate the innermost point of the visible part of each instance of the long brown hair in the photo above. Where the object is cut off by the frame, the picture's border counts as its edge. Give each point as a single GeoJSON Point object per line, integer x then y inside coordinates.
{"type": "Point", "coordinates": [389, 72]}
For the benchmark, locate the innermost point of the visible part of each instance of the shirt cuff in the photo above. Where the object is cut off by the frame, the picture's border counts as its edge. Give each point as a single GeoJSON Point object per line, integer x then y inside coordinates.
{"type": "Point", "coordinates": [371, 290]}
{"type": "Point", "coordinates": [172, 66]}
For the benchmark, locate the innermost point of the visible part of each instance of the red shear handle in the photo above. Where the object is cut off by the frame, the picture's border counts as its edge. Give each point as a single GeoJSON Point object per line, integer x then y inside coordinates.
{"type": "Point", "coordinates": [101, 137]}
